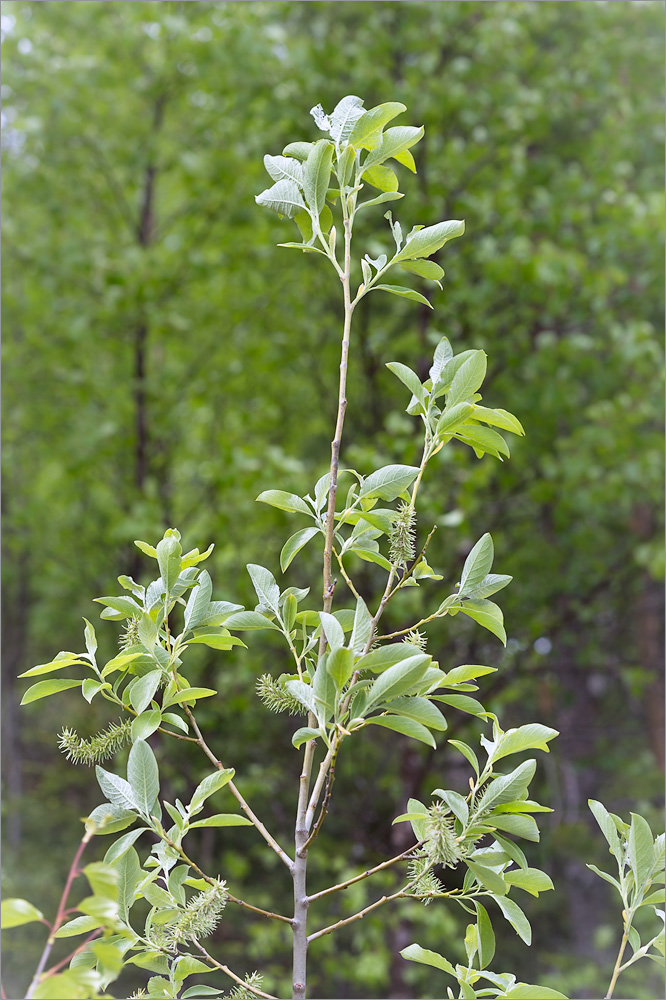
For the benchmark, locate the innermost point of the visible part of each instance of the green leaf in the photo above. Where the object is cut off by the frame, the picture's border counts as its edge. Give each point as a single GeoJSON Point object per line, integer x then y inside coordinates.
{"type": "Point", "coordinates": [194, 557]}
{"type": "Point", "coordinates": [210, 784]}
{"type": "Point", "coordinates": [143, 690]}
{"type": "Point", "coordinates": [607, 826]}
{"type": "Point", "coordinates": [531, 880]}
{"type": "Point", "coordinates": [488, 614]}
{"type": "Point", "coordinates": [415, 953]}
{"type": "Point", "coordinates": [70, 985]}
{"type": "Point", "coordinates": [499, 418]}
{"type": "Point", "coordinates": [393, 142]}
{"type": "Point", "coordinates": [332, 629]}
{"type": "Point", "coordinates": [398, 679]}
{"type": "Point", "coordinates": [468, 753]}
{"type": "Point", "coordinates": [514, 852]}
{"type": "Point", "coordinates": [128, 868]}
{"type": "Point", "coordinates": [530, 737]}
{"type": "Point", "coordinates": [58, 664]}
{"type": "Point", "coordinates": [389, 482]}
{"type": "Point", "coordinates": [303, 693]}
{"type": "Point", "coordinates": [419, 709]}
{"type": "Point", "coordinates": [456, 804]}
{"type": "Point", "coordinates": [123, 844]}
{"type": "Point", "coordinates": [486, 935]}
{"type": "Point", "coordinates": [424, 268]}
{"type": "Point", "coordinates": [304, 734]}
{"type": "Point", "coordinates": [245, 621]}
{"type": "Point", "coordinates": [16, 912]}
{"type": "Point", "coordinates": [91, 687]}
{"type": "Point", "coordinates": [169, 552]}
{"type": "Point", "coordinates": [483, 440]}
{"type": "Point", "coordinates": [426, 241]}
{"type": "Point", "coordinates": [148, 550]}
{"type": "Point", "coordinates": [121, 607]}
{"type": "Point", "coordinates": [467, 379]}
{"type": "Point", "coordinates": [403, 293]}
{"type": "Point", "coordinates": [324, 692]}
{"type": "Point", "coordinates": [340, 665]}
{"type": "Point", "coordinates": [513, 913]}
{"type": "Point", "coordinates": [478, 563]}
{"type": "Point", "coordinates": [368, 129]}
{"type": "Point", "coordinates": [109, 818]}
{"type": "Point", "coordinates": [299, 150]}
{"type": "Point", "coordinates": [284, 168]}
{"type": "Point", "coordinates": [189, 694]}
{"type": "Point", "coordinates": [408, 378]}
{"type": "Point", "coordinates": [466, 672]}
{"type": "Point", "coordinates": [120, 662]}
{"type": "Point", "coordinates": [463, 703]}
{"type": "Point", "coordinates": [285, 501]}
{"type": "Point", "coordinates": [524, 991]}
{"type": "Point", "coordinates": [404, 725]}
{"type": "Point", "coordinates": [143, 776]}
{"type": "Point", "coordinates": [362, 629]}
{"type": "Point", "coordinates": [216, 640]}
{"type": "Point", "coordinates": [372, 556]}
{"type": "Point", "coordinates": [316, 174]}
{"type": "Point", "coordinates": [44, 689]}
{"type": "Point", "coordinates": [453, 417]}
{"type": "Point", "coordinates": [379, 659]}
{"type": "Point", "coordinates": [488, 878]}
{"type": "Point", "coordinates": [640, 850]}
{"type": "Point", "coordinates": [489, 585]}
{"type": "Point", "coordinates": [200, 991]}
{"type": "Point", "coordinates": [344, 116]}
{"type": "Point", "coordinates": [175, 720]}
{"type": "Point", "coordinates": [198, 601]}
{"type": "Point", "coordinates": [380, 199]}
{"type": "Point", "coordinates": [284, 197]}
{"type": "Point", "coordinates": [79, 925]}
{"type": "Point", "coordinates": [223, 819]}
{"type": "Point", "coordinates": [381, 177]}
{"type": "Point", "coordinates": [265, 586]}
{"type": "Point", "coordinates": [506, 787]}
{"type": "Point", "coordinates": [145, 724]}
{"type": "Point", "coordinates": [117, 790]}
{"type": "Point", "coordinates": [294, 545]}
{"type": "Point", "coordinates": [519, 825]}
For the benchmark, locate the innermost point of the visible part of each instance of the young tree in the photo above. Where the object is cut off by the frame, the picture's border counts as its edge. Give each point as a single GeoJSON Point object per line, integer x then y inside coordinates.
{"type": "Point", "coordinates": [346, 675]}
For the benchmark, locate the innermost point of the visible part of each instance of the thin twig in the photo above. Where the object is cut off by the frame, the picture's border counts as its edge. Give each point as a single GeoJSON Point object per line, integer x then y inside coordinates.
{"type": "Point", "coordinates": [365, 874]}
{"type": "Point", "coordinates": [232, 975]}
{"type": "Point", "coordinates": [401, 894]}
{"type": "Point", "coordinates": [212, 881]}
{"type": "Point", "coordinates": [330, 778]}
{"type": "Point", "coordinates": [268, 837]}
{"type": "Point", "coordinates": [345, 576]}
{"type": "Point", "coordinates": [410, 571]}
{"type": "Point", "coordinates": [71, 875]}
{"type": "Point", "coordinates": [66, 961]}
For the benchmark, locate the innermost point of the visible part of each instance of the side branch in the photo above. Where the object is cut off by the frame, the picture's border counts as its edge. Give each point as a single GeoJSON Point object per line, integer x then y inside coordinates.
{"type": "Point", "coordinates": [365, 874]}
{"type": "Point", "coordinates": [401, 894]}
{"type": "Point", "coordinates": [232, 975]}
{"type": "Point", "coordinates": [268, 837]}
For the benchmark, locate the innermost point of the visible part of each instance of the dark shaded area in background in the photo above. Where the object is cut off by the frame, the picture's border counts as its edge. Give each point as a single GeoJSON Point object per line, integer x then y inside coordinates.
{"type": "Point", "coordinates": [165, 363]}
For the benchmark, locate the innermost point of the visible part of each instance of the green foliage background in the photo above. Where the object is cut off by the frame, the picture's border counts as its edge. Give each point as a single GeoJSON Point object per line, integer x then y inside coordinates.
{"type": "Point", "coordinates": [164, 363]}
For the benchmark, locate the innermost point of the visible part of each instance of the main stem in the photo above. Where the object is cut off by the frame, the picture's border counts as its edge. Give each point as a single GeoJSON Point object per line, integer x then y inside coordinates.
{"type": "Point", "coordinates": [303, 820]}
{"type": "Point", "coordinates": [618, 964]}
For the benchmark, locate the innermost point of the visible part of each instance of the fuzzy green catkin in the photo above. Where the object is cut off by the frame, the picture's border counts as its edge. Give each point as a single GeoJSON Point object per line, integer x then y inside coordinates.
{"type": "Point", "coordinates": [441, 846]}
{"type": "Point", "coordinates": [130, 637]}
{"type": "Point", "coordinates": [241, 992]}
{"type": "Point", "coordinates": [416, 638]}
{"type": "Point", "coordinates": [99, 747]}
{"type": "Point", "coordinates": [196, 920]}
{"type": "Point", "coordinates": [275, 696]}
{"type": "Point", "coordinates": [421, 868]}
{"type": "Point", "coordinates": [402, 535]}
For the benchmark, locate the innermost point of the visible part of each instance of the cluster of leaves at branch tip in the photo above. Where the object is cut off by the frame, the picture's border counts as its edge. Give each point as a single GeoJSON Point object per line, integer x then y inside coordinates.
{"type": "Point", "coordinates": [346, 677]}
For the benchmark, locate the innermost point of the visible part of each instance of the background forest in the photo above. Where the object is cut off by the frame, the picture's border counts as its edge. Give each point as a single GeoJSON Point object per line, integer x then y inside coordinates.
{"type": "Point", "coordinates": [165, 363]}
